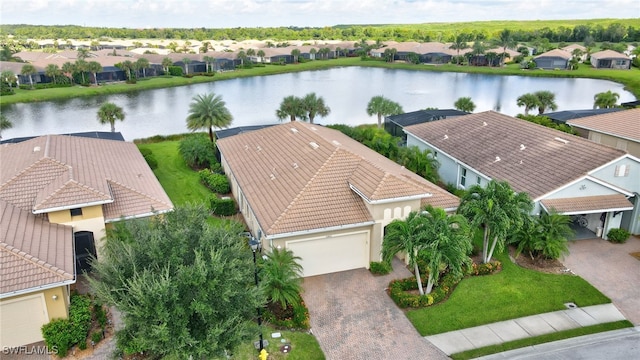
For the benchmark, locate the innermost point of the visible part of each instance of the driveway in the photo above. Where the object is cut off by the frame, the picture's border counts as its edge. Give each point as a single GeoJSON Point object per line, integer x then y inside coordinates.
{"type": "Point", "coordinates": [611, 269]}
{"type": "Point", "coordinates": [353, 318]}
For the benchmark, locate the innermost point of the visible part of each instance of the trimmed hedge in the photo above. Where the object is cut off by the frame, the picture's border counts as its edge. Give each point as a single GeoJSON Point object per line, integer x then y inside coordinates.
{"type": "Point", "coordinates": [379, 268]}
{"type": "Point", "coordinates": [149, 158]}
{"type": "Point", "coordinates": [198, 151]}
{"type": "Point", "coordinates": [217, 183]}
{"type": "Point", "coordinates": [222, 207]}
{"type": "Point", "coordinates": [62, 334]}
{"type": "Point", "coordinates": [618, 236]}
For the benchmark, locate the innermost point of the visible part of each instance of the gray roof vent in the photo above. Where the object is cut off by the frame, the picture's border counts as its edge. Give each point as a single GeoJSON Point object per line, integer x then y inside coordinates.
{"type": "Point", "coordinates": [484, 123]}
{"type": "Point", "coordinates": [314, 145]}
{"type": "Point", "coordinates": [446, 136]}
{"type": "Point", "coordinates": [295, 165]}
{"type": "Point", "coordinates": [522, 147]}
{"type": "Point", "coordinates": [36, 148]}
{"type": "Point", "coordinates": [336, 142]}
{"type": "Point", "coordinates": [294, 130]}
{"type": "Point", "coordinates": [564, 141]}
{"type": "Point", "coordinates": [497, 159]}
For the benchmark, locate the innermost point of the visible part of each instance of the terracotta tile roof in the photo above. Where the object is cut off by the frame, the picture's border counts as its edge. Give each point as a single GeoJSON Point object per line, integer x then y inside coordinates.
{"type": "Point", "coordinates": [608, 54]}
{"type": "Point", "coordinates": [33, 252]}
{"type": "Point", "coordinates": [57, 171]}
{"type": "Point", "coordinates": [556, 53]}
{"type": "Point", "coordinates": [491, 143]}
{"type": "Point", "coordinates": [580, 205]}
{"type": "Point", "coordinates": [297, 176]}
{"type": "Point", "coordinates": [624, 124]}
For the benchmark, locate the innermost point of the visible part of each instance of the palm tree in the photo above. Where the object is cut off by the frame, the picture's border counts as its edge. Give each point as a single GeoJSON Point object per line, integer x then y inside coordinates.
{"type": "Point", "coordinates": [4, 124]}
{"type": "Point", "coordinates": [546, 100]}
{"type": "Point", "coordinates": [605, 100]}
{"type": "Point", "coordinates": [143, 64]}
{"type": "Point", "coordinates": [529, 101]}
{"type": "Point", "coordinates": [261, 55]}
{"type": "Point", "coordinates": [68, 68]}
{"type": "Point", "coordinates": [406, 236]}
{"type": "Point", "coordinates": [109, 113]}
{"type": "Point", "coordinates": [478, 49]}
{"type": "Point", "coordinates": [83, 53]}
{"type": "Point", "coordinates": [166, 62]}
{"type": "Point", "coordinates": [291, 107]}
{"type": "Point", "coordinates": [491, 56]}
{"type": "Point", "coordinates": [81, 66]}
{"type": "Point", "coordinates": [295, 53]}
{"type": "Point", "coordinates": [127, 66]}
{"type": "Point", "coordinates": [281, 275]}
{"type": "Point", "coordinates": [205, 47]}
{"type": "Point", "coordinates": [186, 61]}
{"type": "Point", "coordinates": [251, 52]}
{"type": "Point", "coordinates": [313, 53]}
{"type": "Point", "coordinates": [459, 43]}
{"type": "Point", "coordinates": [94, 67]}
{"type": "Point", "coordinates": [382, 106]}
{"type": "Point", "coordinates": [9, 77]}
{"type": "Point", "coordinates": [448, 244]}
{"type": "Point", "coordinates": [337, 51]}
{"type": "Point", "coordinates": [52, 70]}
{"type": "Point", "coordinates": [207, 111]}
{"type": "Point", "coordinates": [30, 70]}
{"type": "Point", "coordinates": [555, 229]}
{"type": "Point", "coordinates": [207, 60]}
{"type": "Point", "coordinates": [315, 106]}
{"type": "Point", "coordinates": [498, 210]}
{"type": "Point", "coordinates": [465, 104]}
{"type": "Point", "coordinates": [505, 40]}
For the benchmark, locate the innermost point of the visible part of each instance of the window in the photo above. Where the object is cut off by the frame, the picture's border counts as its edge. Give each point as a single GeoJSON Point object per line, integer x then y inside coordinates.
{"type": "Point", "coordinates": [463, 177]}
{"type": "Point", "coordinates": [76, 212]}
{"type": "Point", "coordinates": [478, 180]}
{"type": "Point", "coordinates": [622, 170]}
{"type": "Point", "coordinates": [621, 62]}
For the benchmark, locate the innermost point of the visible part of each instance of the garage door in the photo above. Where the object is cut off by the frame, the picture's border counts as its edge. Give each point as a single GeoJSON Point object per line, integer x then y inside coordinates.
{"type": "Point", "coordinates": [21, 320]}
{"type": "Point", "coordinates": [332, 254]}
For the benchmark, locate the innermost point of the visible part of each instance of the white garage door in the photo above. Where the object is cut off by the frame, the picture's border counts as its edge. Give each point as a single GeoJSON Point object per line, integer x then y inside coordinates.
{"type": "Point", "coordinates": [332, 254]}
{"type": "Point", "coordinates": [21, 320]}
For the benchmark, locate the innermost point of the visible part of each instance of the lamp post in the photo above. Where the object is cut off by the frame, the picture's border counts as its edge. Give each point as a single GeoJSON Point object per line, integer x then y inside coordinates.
{"type": "Point", "coordinates": [255, 246]}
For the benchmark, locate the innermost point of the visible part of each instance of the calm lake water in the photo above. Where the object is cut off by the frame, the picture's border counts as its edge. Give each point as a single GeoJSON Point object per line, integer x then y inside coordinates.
{"type": "Point", "coordinates": [346, 91]}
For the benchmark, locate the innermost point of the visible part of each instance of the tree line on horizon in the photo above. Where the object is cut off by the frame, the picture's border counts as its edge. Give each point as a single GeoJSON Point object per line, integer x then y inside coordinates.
{"type": "Point", "coordinates": [598, 30]}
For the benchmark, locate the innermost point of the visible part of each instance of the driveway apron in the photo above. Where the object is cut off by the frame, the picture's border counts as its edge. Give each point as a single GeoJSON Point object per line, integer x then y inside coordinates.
{"type": "Point", "coordinates": [353, 318]}
{"type": "Point", "coordinates": [611, 269]}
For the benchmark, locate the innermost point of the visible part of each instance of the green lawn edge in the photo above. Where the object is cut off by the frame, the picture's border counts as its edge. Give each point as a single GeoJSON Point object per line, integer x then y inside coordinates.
{"type": "Point", "coordinates": [537, 340]}
{"type": "Point", "coordinates": [629, 78]}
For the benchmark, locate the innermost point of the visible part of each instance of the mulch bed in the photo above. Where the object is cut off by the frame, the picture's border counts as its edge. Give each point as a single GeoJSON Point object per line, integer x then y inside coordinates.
{"type": "Point", "coordinates": [635, 255]}
{"type": "Point", "coordinates": [542, 265]}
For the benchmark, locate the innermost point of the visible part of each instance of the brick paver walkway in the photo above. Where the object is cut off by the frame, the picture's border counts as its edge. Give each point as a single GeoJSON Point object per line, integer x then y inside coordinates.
{"type": "Point", "coordinates": [353, 318]}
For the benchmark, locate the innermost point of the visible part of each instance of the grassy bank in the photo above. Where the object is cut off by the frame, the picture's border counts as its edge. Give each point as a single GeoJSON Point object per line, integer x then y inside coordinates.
{"type": "Point", "coordinates": [629, 78]}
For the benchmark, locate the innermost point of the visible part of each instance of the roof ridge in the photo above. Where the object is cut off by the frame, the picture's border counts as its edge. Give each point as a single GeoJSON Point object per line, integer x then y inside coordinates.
{"type": "Point", "coordinates": [12, 250]}
{"type": "Point", "coordinates": [305, 187]}
{"type": "Point", "coordinates": [28, 168]}
{"type": "Point", "coordinates": [64, 186]}
{"type": "Point", "coordinates": [110, 181]}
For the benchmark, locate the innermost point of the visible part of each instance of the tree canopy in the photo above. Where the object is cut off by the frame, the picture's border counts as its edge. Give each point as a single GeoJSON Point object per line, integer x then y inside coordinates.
{"type": "Point", "coordinates": [291, 107]}
{"type": "Point", "coordinates": [207, 111]}
{"type": "Point", "coordinates": [605, 100]}
{"type": "Point", "coordinates": [314, 106]}
{"type": "Point", "coordinates": [109, 113]}
{"type": "Point", "coordinates": [184, 288]}
{"type": "Point", "coordinates": [381, 106]}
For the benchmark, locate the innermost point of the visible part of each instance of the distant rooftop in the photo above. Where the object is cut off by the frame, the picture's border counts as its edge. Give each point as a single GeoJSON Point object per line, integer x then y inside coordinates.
{"type": "Point", "coordinates": [564, 116]}
{"type": "Point", "coordinates": [90, 134]}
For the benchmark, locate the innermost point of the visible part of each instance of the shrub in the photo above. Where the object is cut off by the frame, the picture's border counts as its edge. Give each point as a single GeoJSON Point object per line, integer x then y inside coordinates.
{"type": "Point", "coordinates": [222, 207]}
{"type": "Point", "coordinates": [618, 236]}
{"type": "Point", "coordinates": [62, 334]}
{"type": "Point", "coordinates": [379, 268]}
{"type": "Point", "coordinates": [56, 335]}
{"type": "Point", "coordinates": [295, 316]}
{"type": "Point", "coordinates": [217, 183]}
{"type": "Point", "coordinates": [149, 158]}
{"type": "Point", "coordinates": [96, 337]}
{"type": "Point", "coordinates": [100, 314]}
{"type": "Point", "coordinates": [175, 70]}
{"type": "Point", "coordinates": [198, 151]}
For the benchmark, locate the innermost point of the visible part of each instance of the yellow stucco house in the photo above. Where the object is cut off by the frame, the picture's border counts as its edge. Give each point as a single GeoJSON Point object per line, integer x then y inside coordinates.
{"type": "Point", "coordinates": [58, 193]}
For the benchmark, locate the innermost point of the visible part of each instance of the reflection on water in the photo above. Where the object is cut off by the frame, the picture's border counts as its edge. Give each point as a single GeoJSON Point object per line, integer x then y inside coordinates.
{"type": "Point", "coordinates": [346, 91]}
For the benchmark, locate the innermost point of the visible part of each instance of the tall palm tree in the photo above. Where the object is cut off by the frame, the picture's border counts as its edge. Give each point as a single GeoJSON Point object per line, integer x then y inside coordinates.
{"type": "Point", "coordinates": [5, 124]}
{"type": "Point", "coordinates": [261, 55]}
{"type": "Point", "coordinates": [207, 111]}
{"type": "Point", "coordinates": [459, 43]}
{"type": "Point", "coordinates": [251, 52]}
{"type": "Point", "coordinates": [478, 49]}
{"type": "Point", "coordinates": [186, 61]}
{"type": "Point", "coordinates": [546, 100]}
{"type": "Point", "coordinates": [9, 77]}
{"type": "Point", "coordinates": [381, 106]}
{"type": "Point", "coordinates": [94, 67]}
{"type": "Point", "coordinates": [408, 236]}
{"type": "Point", "coordinates": [81, 66]}
{"type": "Point", "coordinates": [281, 277]}
{"type": "Point", "coordinates": [605, 100]}
{"type": "Point", "coordinates": [447, 246]}
{"type": "Point", "coordinates": [554, 231]}
{"type": "Point", "coordinates": [242, 56]}
{"type": "Point", "coordinates": [529, 101]}
{"type": "Point", "coordinates": [313, 53]}
{"type": "Point", "coordinates": [498, 210]}
{"type": "Point", "coordinates": [68, 68]}
{"type": "Point", "coordinates": [505, 40]}
{"type": "Point", "coordinates": [52, 70]}
{"type": "Point", "coordinates": [490, 56]}
{"type": "Point", "coordinates": [109, 113]}
{"type": "Point", "coordinates": [295, 53]}
{"type": "Point", "coordinates": [291, 107]}
{"type": "Point", "coordinates": [29, 70]}
{"type": "Point", "coordinates": [166, 62]}
{"type": "Point", "coordinates": [465, 104]}
{"type": "Point", "coordinates": [207, 60]}
{"type": "Point", "coordinates": [143, 63]}
{"type": "Point", "coordinates": [83, 53]}
{"type": "Point", "coordinates": [315, 106]}
{"type": "Point", "coordinates": [127, 66]}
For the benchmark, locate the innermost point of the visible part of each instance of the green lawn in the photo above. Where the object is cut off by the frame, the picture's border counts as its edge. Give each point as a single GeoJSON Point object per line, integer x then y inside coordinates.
{"type": "Point", "coordinates": [512, 293]}
{"type": "Point", "coordinates": [517, 344]}
{"type": "Point", "coordinates": [303, 347]}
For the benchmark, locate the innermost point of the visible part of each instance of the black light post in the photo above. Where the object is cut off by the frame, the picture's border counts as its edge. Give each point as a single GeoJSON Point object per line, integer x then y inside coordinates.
{"type": "Point", "coordinates": [255, 246]}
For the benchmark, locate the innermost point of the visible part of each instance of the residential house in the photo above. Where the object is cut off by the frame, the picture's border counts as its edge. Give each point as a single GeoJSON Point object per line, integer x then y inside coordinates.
{"type": "Point", "coordinates": [561, 117]}
{"type": "Point", "coordinates": [58, 194]}
{"type": "Point", "coordinates": [394, 124]}
{"type": "Point", "coordinates": [572, 47]}
{"type": "Point", "coordinates": [619, 129]}
{"type": "Point", "coordinates": [609, 59]}
{"type": "Point", "coordinates": [559, 171]}
{"type": "Point", "coordinates": [319, 193]}
{"type": "Point", "coordinates": [554, 59]}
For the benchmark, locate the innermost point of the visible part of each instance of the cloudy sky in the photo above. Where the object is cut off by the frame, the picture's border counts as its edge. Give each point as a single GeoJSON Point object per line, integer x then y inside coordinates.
{"type": "Point", "coordinates": [314, 13]}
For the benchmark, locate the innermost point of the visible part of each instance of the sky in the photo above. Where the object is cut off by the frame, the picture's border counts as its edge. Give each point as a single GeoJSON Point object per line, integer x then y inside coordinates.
{"type": "Point", "coordinates": [302, 13]}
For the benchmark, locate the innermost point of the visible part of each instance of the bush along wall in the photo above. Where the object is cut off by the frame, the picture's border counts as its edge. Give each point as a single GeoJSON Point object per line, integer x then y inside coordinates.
{"type": "Point", "coordinates": [222, 207]}
{"type": "Point", "coordinates": [217, 183]}
{"type": "Point", "coordinates": [398, 289]}
{"type": "Point", "coordinates": [62, 334]}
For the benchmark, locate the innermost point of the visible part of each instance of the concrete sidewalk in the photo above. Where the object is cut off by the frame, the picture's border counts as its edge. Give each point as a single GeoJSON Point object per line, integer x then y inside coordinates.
{"type": "Point", "coordinates": [504, 331]}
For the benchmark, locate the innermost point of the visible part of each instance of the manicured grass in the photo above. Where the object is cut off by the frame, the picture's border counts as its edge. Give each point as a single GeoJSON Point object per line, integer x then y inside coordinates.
{"type": "Point", "coordinates": [517, 344]}
{"type": "Point", "coordinates": [303, 347]}
{"type": "Point", "coordinates": [514, 292]}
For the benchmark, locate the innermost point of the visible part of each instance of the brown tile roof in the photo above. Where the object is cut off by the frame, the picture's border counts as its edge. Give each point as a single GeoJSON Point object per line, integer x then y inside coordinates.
{"type": "Point", "coordinates": [624, 124]}
{"type": "Point", "coordinates": [297, 177]}
{"type": "Point", "coordinates": [56, 171]}
{"type": "Point", "coordinates": [580, 205]}
{"type": "Point", "coordinates": [33, 252]}
{"type": "Point", "coordinates": [608, 54]}
{"type": "Point", "coordinates": [556, 53]}
{"type": "Point", "coordinates": [545, 164]}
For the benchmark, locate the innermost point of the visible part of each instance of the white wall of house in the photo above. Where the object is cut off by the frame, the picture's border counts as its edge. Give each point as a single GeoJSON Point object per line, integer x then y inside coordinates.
{"type": "Point", "coordinates": [584, 187]}
{"type": "Point", "coordinates": [624, 173]}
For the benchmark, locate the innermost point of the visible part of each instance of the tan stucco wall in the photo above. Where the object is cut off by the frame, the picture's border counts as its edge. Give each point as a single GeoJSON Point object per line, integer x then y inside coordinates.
{"type": "Point", "coordinates": [633, 147]}
{"type": "Point", "coordinates": [92, 219]}
{"type": "Point", "coordinates": [56, 309]}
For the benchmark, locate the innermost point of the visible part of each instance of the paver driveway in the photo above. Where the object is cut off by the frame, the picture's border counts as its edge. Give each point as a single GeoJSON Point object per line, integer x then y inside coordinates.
{"type": "Point", "coordinates": [611, 269]}
{"type": "Point", "coordinates": [353, 318]}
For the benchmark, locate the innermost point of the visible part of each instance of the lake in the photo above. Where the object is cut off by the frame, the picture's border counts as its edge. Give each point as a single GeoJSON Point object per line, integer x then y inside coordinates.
{"type": "Point", "coordinates": [346, 91]}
